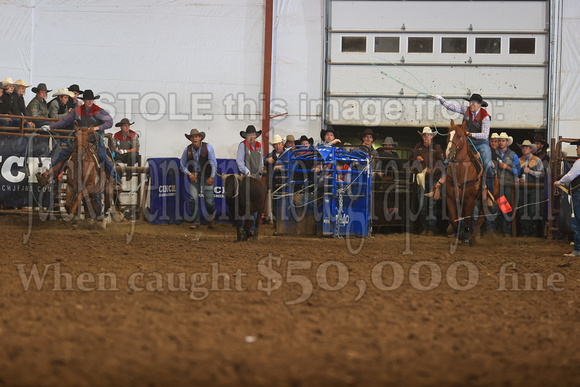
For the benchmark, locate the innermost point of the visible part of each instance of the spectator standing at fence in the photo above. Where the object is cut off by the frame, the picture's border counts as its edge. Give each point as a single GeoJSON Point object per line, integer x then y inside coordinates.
{"type": "Point", "coordinates": [428, 158]}
{"type": "Point", "coordinates": [509, 172]}
{"type": "Point", "coordinates": [73, 101]}
{"type": "Point", "coordinates": [328, 137]}
{"type": "Point", "coordinates": [490, 219]}
{"type": "Point", "coordinates": [274, 174]}
{"type": "Point", "coordinates": [367, 138]}
{"type": "Point", "coordinates": [289, 142]}
{"type": "Point", "coordinates": [199, 163]}
{"type": "Point", "coordinates": [542, 151]}
{"type": "Point", "coordinates": [88, 115]}
{"type": "Point", "coordinates": [572, 178]}
{"type": "Point", "coordinates": [126, 144]}
{"type": "Point", "coordinates": [249, 155]}
{"type": "Point", "coordinates": [387, 152]}
{"type": "Point", "coordinates": [532, 171]}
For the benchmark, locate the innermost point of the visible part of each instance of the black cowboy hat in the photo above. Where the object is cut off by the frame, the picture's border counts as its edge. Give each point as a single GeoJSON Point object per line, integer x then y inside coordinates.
{"type": "Point", "coordinates": [577, 142]}
{"type": "Point", "coordinates": [124, 121]}
{"type": "Point", "coordinates": [40, 87]}
{"type": "Point", "coordinates": [75, 87]}
{"type": "Point", "coordinates": [304, 138]}
{"type": "Point", "coordinates": [88, 94]}
{"type": "Point", "coordinates": [323, 132]}
{"type": "Point", "coordinates": [195, 132]}
{"type": "Point", "coordinates": [477, 98]}
{"type": "Point", "coordinates": [368, 131]}
{"type": "Point", "coordinates": [249, 130]}
{"type": "Point", "coordinates": [539, 137]}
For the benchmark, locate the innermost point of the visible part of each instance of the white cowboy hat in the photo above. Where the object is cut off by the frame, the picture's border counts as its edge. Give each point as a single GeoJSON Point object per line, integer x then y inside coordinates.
{"type": "Point", "coordinates": [21, 82]}
{"type": "Point", "coordinates": [276, 139]}
{"type": "Point", "coordinates": [421, 178]}
{"type": "Point", "coordinates": [426, 130]}
{"type": "Point", "coordinates": [494, 136]}
{"type": "Point", "coordinates": [531, 145]}
{"type": "Point", "coordinates": [7, 82]}
{"type": "Point", "coordinates": [63, 91]}
{"type": "Point", "coordinates": [503, 135]}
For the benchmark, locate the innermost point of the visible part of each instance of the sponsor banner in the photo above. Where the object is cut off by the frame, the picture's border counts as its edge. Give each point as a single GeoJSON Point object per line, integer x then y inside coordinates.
{"type": "Point", "coordinates": [170, 192]}
{"type": "Point", "coordinates": [20, 158]}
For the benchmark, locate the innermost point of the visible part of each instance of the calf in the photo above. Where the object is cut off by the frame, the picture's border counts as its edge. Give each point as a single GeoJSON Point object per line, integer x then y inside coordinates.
{"type": "Point", "coordinates": [245, 196]}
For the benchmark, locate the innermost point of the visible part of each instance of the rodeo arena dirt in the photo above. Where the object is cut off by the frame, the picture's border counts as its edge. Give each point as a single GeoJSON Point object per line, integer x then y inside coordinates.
{"type": "Point", "coordinates": [428, 241]}
{"type": "Point", "coordinates": [137, 303]}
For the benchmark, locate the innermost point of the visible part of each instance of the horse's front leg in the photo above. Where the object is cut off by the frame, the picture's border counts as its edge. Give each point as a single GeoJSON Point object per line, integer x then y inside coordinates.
{"type": "Point", "coordinates": [451, 203]}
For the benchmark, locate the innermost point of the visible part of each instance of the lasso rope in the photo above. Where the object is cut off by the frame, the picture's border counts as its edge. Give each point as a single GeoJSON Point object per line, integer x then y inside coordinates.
{"type": "Point", "coordinates": [426, 93]}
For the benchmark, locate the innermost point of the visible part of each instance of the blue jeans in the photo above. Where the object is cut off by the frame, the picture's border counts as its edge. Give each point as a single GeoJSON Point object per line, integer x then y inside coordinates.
{"type": "Point", "coordinates": [102, 152]}
{"type": "Point", "coordinates": [484, 150]}
{"type": "Point", "coordinates": [208, 197]}
{"type": "Point", "coordinates": [428, 210]}
{"type": "Point", "coordinates": [530, 213]}
{"type": "Point", "coordinates": [576, 220]}
{"type": "Point", "coordinates": [505, 220]}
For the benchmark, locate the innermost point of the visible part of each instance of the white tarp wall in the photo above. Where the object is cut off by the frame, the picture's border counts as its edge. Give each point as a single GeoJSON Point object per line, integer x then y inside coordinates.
{"type": "Point", "coordinates": [170, 66]}
{"type": "Point", "coordinates": [566, 87]}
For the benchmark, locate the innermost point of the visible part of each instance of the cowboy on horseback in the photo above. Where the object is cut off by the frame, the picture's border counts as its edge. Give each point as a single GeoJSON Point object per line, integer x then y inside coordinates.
{"type": "Point", "coordinates": [477, 122]}
{"type": "Point", "coordinates": [88, 115]}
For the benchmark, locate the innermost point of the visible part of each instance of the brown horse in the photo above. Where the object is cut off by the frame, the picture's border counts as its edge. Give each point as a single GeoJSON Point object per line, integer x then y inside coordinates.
{"type": "Point", "coordinates": [463, 184]}
{"type": "Point", "coordinates": [86, 178]}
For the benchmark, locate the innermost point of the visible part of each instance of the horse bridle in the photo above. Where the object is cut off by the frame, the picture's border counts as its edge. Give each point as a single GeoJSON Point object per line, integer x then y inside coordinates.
{"type": "Point", "coordinates": [456, 144]}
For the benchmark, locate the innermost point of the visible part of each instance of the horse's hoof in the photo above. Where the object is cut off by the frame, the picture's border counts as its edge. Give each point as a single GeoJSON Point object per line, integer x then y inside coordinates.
{"type": "Point", "coordinates": [450, 230]}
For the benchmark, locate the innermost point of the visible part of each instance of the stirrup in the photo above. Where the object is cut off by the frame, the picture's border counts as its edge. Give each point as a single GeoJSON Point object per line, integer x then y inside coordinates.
{"type": "Point", "coordinates": [490, 199]}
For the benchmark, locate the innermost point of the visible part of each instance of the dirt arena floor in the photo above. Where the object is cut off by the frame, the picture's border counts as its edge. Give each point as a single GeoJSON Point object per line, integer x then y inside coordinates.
{"type": "Point", "coordinates": [403, 310]}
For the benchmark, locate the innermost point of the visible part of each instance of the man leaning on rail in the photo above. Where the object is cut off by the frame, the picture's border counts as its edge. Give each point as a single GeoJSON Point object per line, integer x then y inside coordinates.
{"type": "Point", "coordinates": [88, 115]}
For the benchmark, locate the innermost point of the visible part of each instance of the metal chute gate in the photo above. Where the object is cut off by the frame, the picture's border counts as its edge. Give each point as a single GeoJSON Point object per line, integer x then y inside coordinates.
{"type": "Point", "coordinates": [324, 190]}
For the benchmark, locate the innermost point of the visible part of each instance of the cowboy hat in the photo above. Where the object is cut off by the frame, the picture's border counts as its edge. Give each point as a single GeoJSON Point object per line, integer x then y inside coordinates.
{"type": "Point", "coordinates": [7, 82]}
{"type": "Point", "coordinates": [289, 138]}
{"type": "Point", "coordinates": [426, 130]}
{"type": "Point", "coordinates": [75, 87]}
{"type": "Point", "coordinates": [63, 91]}
{"type": "Point", "coordinates": [88, 94]}
{"type": "Point", "coordinates": [194, 132]}
{"type": "Point", "coordinates": [124, 121]}
{"type": "Point", "coordinates": [503, 135]}
{"type": "Point", "coordinates": [323, 132]}
{"type": "Point", "coordinates": [276, 139]}
{"type": "Point", "coordinates": [21, 82]}
{"type": "Point", "coordinates": [530, 144]}
{"type": "Point", "coordinates": [249, 130]}
{"type": "Point", "coordinates": [539, 137]}
{"type": "Point", "coordinates": [421, 178]}
{"type": "Point", "coordinates": [577, 142]}
{"type": "Point", "coordinates": [494, 136]}
{"type": "Point", "coordinates": [477, 98]}
{"type": "Point", "coordinates": [368, 131]}
{"type": "Point", "coordinates": [390, 141]}
{"type": "Point", "coordinates": [304, 138]}
{"type": "Point", "coordinates": [40, 87]}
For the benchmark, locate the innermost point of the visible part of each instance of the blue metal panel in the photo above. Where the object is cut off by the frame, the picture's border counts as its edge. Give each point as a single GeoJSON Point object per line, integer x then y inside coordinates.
{"type": "Point", "coordinates": [328, 184]}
